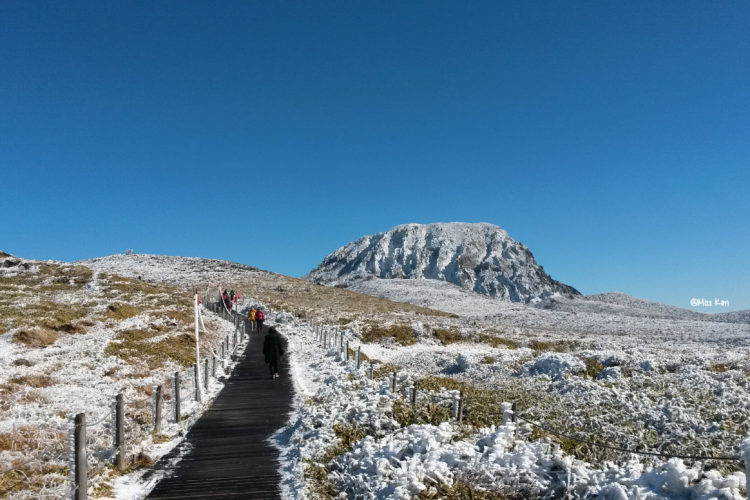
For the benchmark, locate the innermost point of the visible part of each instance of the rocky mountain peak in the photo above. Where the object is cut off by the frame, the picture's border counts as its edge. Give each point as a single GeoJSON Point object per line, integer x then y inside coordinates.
{"type": "Point", "coordinates": [476, 256]}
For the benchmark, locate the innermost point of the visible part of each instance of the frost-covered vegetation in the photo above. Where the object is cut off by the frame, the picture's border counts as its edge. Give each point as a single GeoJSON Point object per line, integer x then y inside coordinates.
{"type": "Point", "coordinates": [601, 371]}
{"type": "Point", "coordinates": [70, 340]}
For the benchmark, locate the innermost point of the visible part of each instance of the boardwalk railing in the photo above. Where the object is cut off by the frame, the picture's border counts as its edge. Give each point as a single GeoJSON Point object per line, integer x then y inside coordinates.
{"type": "Point", "coordinates": [180, 383]}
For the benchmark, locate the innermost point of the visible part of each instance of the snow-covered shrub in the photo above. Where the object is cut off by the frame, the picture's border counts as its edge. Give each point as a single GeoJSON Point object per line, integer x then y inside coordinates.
{"type": "Point", "coordinates": [284, 317]}
{"type": "Point", "coordinates": [611, 373]}
{"type": "Point", "coordinates": [554, 366]}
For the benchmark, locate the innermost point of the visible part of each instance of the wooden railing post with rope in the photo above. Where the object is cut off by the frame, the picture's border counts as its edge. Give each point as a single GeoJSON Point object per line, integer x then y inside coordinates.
{"type": "Point", "coordinates": [79, 464]}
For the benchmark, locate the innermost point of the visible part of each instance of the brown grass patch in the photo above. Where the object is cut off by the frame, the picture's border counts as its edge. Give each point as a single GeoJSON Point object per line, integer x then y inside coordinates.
{"type": "Point", "coordinates": [184, 316]}
{"type": "Point", "coordinates": [384, 369]}
{"type": "Point", "coordinates": [35, 337]}
{"type": "Point", "coordinates": [135, 344]}
{"type": "Point", "coordinates": [553, 345]}
{"type": "Point", "coordinates": [402, 334]}
{"type": "Point", "coordinates": [32, 380]}
{"type": "Point", "coordinates": [496, 341]}
{"type": "Point", "coordinates": [446, 336]}
{"type": "Point", "coordinates": [71, 328]}
{"type": "Point", "coordinates": [22, 362]}
{"type": "Point", "coordinates": [28, 478]}
{"type": "Point", "coordinates": [120, 311]}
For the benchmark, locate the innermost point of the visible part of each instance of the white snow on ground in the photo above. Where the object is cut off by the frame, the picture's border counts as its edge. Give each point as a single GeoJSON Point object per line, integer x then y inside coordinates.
{"type": "Point", "coordinates": [399, 462]}
{"type": "Point", "coordinates": [85, 379]}
{"type": "Point", "coordinates": [628, 374]}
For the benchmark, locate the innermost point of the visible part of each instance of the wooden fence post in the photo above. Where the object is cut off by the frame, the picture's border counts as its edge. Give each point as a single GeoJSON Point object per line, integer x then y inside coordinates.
{"type": "Point", "coordinates": [414, 394]}
{"type": "Point", "coordinates": [177, 397]}
{"type": "Point", "coordinates": [359, 357]}
{"type": "Point", "coordinates": [205, 374]}
{"type": "Point", "coordinates": [213, 366]}
{"type": "Point", "coordinates": [157, 409]}
{"type": "Point", "coordinates": [507, 413]}
{"type": "Point", "coordinates": [461, 407]}
{"type": "Point", "coordinates": [393, 383]}
{"type": "Point", "coordinates": [371, 365]}
{"type": "Point", "coordinates": [347, 350]}
{"type": "Point", "coordinates": [120, 432]}
{"type": "Point", "coordinates": [79, 458]}
{"type": "Point", "coordinates": [196, 382]}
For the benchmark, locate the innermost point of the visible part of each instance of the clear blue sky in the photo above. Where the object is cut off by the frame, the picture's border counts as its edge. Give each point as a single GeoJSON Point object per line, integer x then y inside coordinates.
{"type": "Point", "coordinates": [612, 138]}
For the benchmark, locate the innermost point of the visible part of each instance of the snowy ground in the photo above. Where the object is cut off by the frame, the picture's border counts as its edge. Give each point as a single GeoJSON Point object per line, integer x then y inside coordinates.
{"type": "Point", "coordinates": [385, 459]}
{"type": "Point", "coordinates": [42, 387]}
{"type": "Point", "coordinates": [611, 370]}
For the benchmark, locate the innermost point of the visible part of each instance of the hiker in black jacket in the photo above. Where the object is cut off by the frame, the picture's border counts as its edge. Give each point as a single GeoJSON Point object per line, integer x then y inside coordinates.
{"type": "Point", "coordinates": [273, 349]}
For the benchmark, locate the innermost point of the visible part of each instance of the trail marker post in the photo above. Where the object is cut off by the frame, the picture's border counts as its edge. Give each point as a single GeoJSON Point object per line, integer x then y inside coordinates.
{"type": "Point", "coordinates": [197, 353]}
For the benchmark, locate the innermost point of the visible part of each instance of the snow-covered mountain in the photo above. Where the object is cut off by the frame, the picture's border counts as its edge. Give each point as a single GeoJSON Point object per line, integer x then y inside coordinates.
{"type": "Point", "coordinates": [478, 257]}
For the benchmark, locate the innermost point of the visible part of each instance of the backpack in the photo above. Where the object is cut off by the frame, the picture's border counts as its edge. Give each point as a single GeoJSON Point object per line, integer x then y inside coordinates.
{"type": "Point", "coordinates": [260, 315]}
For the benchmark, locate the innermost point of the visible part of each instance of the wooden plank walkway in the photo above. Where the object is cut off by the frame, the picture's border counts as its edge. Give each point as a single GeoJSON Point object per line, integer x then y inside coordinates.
{"type": "Point", "coordinates": [229, 455]}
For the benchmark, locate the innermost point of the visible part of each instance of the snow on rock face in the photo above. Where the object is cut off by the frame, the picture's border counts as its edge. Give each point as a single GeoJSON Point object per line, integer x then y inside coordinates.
{"type": "Point", "coordinates": [478, 257]}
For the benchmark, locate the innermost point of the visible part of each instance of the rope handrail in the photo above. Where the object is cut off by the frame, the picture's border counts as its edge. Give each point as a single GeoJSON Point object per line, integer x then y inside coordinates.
{"type": "Point", "coordinates": [105, 417]}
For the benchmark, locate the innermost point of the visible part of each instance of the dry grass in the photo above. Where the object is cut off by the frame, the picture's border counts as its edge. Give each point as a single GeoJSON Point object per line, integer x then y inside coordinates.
{"type": "Point", "coordinates": [496, 341]}
{"type": "Point", "coordinates": [20, 439]}
{"type": "Point", "coordinates": [35, 337]}
{"type": "Point", "coordinates": [32, 380]}
{"type": "Point", "coordinates": [402, 334]}
{"type": "Point", "coordinates": [134, 345]}
{"type": "Point", "coordinates": [31, 479]}
{"type": "Point", "coordinates": [593, 367]}
{"type": "Point", "coordinates": [384, 369]}
{"type": "Point", "coordinates": [446, 336]}
{"type": "Point", "coordinates": [553, 345]}
{"type": "Point", "coordinates": [120, 311]}
{"type": "Point", "coordinates": [184, 316]}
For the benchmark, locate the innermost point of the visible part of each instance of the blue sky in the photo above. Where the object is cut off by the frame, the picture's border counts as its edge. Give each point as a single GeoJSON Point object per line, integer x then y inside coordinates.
{"type": "Point", "coordinates": [609, 137]}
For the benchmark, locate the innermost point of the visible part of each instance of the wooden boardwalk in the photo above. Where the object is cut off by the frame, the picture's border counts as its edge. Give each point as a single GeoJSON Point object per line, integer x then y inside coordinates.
{"type": "Point", "coordinates": [229, 455]}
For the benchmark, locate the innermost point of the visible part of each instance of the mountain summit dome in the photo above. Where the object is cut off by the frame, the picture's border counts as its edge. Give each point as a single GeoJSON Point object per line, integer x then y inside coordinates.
{"type": "Point", "coordinates": [480, 257]}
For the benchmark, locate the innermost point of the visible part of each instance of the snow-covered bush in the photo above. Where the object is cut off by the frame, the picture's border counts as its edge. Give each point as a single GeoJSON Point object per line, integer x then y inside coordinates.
{"type": "Point", "coordinates": [554, 366]}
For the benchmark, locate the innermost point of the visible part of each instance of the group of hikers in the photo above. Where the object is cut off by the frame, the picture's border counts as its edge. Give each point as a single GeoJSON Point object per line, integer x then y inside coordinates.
{"type": "Point", "coordinates": [273, 345]}
{"type": "Point", "coordinates": [229, 299]}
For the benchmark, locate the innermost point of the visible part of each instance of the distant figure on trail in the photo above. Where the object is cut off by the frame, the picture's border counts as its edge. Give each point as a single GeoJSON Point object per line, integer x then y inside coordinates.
{"type": "Point", "coordinates": [225, 298]}
{"type": "Point", "coordinates": [231, 295]}
{"type": "Point", "coordinates": [273, 349]}
{"type": "Point", "coordinates": [260, 317]}
{"type": "Point", "coordinates": [251, 318]}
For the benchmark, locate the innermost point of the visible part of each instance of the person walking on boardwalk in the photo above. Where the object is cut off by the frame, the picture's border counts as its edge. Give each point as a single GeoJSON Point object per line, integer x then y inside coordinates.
{"type": "Point", "coordinates": [273, 349]}
{"type": "Point", "coordinates": [251, 318]}
{"type": "Point", "coordinates": [260, 317]}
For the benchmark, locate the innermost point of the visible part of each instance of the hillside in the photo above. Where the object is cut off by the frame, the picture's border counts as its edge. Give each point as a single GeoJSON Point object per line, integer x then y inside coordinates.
{"type": "Point", "coordinates": [329, 304]}
{"type": "Point", "coordinates": [607, 374]}
{"type": "Point", "coordinates": [71, 339]}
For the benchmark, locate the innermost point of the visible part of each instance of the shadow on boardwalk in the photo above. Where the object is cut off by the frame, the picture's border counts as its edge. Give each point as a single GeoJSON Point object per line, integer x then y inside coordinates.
{"type": "Point", "coordinates": [229, 454]}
